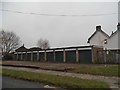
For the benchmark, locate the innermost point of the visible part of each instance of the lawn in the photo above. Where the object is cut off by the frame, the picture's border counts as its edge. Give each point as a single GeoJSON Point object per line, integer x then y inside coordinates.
{"type": "Point", "coordinates": [61, 81]}
{"type": "Point", "coordinates": [108, 70]}
{"type": "Point", "coordinates": [96, 69]}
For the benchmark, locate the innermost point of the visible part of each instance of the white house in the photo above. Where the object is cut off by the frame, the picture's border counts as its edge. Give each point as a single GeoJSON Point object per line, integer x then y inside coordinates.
{"type": "Point", "coordinates": [98, 38]}
{"type": "Point", "coordinates": [113, 43]}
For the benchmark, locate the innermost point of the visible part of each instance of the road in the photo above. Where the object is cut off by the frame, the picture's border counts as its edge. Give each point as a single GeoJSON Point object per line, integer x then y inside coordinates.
{"type": "Point", "coordinates": [8, 82]}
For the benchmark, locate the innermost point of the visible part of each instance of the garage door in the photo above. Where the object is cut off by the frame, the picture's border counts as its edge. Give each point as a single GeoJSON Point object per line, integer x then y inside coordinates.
{"type": "Point", "coordinates": [85, 56]}
{"type": "Point", "coordinates": [41, 55]}
{"type": "Point", "coordinates": [71, 56]}
{"type": "Point", "coordinates": [34, 56]}
{"type": "Point", "coordinates": [59, 56]}
{"type": "Point", "coordinates": [50, 57]}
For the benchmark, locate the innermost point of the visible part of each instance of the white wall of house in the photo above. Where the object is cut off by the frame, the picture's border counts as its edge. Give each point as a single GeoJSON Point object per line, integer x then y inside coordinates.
{"type": "Point", "coordinates": [98, 39]}
{"type": "Point", "coordinates": [112, 42]}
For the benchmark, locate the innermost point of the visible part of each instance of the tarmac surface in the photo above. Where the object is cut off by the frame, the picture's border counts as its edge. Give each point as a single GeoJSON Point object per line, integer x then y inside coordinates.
{"type": "Point", "coordinates": [8, 82]}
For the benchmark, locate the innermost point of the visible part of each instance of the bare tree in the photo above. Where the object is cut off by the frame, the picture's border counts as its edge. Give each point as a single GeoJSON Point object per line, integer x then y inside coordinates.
{"type": "Point", "coordinates": [9, 41]}
{"type": "Point", "coordinates": [40, 43]}
{"type": "Point", "coordinates": [43, 44]}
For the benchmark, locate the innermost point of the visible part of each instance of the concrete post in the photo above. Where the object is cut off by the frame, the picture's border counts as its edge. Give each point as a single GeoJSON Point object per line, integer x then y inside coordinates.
{"type": "Point", "coordinates": [32, 56]}
{"type": "Point", "coordinates": [37, 55]}
{"type": "Point", "coordinates": [93, 60]}
{"type": "Point", "coordinates": [21, 55]}
{"type": "Point", "coordinates": [64, 55]}
{"type": "Point", "coordinates": [77, 56]}
{"type": "Point", "coordinates": [17, 55]}
{"type": "Point", "coordinates": [45, 56]}
{"type": "Point", "coordinates": [54, 54]}
{"type": "Point", "coordinates": [26, 56]}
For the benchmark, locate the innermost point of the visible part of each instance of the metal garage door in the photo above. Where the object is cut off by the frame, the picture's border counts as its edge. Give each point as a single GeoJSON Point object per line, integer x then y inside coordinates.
{"type": "Point", "coordinates": [24, 56]}
{"type": "Point", "coordinates": [71, 56]}
{"type": "Point", "coordinates": [85, 56]}
{"type": "Point", "coordinates": [50, 56]}
{"type": "Point", "coordinates": [41, 56]}
{"type": "Point", "coordinates": [59, 56]}
{"type": "Point", "coordinates": [19, 56]}
{"type": "Point", "coordinates": [28, 56]}
{"type": "Point", "coordinates": [15, 56]}
{"type": "Point", "coordinates": [34, 56]}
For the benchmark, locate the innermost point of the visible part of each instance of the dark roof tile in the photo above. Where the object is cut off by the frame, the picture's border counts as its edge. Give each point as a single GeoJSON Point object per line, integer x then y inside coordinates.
{"type": "Point", "coordinates": [21, 49]}
{"type": "Point", "coordinates": [35, 49]}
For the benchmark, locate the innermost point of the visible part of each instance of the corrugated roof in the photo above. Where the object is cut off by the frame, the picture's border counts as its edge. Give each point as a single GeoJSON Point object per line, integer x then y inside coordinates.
{"type": "Point", "coordinates": [21, 49]}
{"type": "Point", "coordinates": [35, 49]}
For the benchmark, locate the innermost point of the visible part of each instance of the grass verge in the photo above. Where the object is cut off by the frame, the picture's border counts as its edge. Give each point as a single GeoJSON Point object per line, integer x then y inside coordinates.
{"type": "Point", "coordinates": [108, 70]}
{"type": "Point", "coordinates": [61, 81]}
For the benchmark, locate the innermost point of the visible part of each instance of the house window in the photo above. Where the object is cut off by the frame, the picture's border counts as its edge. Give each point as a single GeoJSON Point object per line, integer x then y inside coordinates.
{"type": "Point", "coordinates": [105, 41]}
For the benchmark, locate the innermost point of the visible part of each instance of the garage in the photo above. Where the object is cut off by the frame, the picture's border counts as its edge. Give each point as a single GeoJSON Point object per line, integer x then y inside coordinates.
{"type": "Point", "coordinates": [59, 56]}
{"type": "Point", "coordinates": [50, 57]}
{"type": "Point", "coordinates": [71, 56]}
{"type": "Point", "coordinates": [85, 56]}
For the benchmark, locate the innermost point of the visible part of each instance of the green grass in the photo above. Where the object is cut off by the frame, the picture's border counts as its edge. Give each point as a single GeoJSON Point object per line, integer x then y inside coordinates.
{"type": "Point", "coordinates": [108, 70]}
{"type": "Point", "coordinates": [61, 81]}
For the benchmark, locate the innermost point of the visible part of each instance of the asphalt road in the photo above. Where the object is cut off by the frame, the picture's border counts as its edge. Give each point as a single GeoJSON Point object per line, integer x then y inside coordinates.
{"type": "Point", "coordinates": [8, 82]}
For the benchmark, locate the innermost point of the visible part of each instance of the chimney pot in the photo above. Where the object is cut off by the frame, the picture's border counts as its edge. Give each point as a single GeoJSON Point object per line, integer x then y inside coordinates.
{"type": "Point", "coordinates": [98, 27]}
{"type": "Point", "coordinates": [112, 32]}
{"type": "Point", "coordinates": [118, 26]}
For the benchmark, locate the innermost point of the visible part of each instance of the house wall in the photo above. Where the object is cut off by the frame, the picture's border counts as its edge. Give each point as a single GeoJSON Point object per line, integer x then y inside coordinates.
{"type": "Point", "coordinates": [112, 42]}
{"type": "Point", "coordinates": [98, 39]}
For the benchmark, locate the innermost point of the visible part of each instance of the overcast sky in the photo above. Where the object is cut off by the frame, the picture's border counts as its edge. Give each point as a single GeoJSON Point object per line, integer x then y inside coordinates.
{"type": "Point", "coordinates": [60, 26]}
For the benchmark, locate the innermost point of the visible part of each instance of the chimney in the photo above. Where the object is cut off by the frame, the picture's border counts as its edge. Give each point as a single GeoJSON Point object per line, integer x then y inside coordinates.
{"type": "Point", "coordinates": [112, 33]}
{"type": "Point", "coordinates": [98, 28]}
{"type": "Point", "coordinates": [118, 26]}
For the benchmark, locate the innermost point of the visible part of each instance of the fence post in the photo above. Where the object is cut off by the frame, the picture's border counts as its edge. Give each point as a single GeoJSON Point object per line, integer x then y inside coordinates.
{"type": "Point", "coordinates": [77, 58]}
{"type": "Point", "coordinates": [105, 57]}
{"type": "Point", "coordinates": [64, 56]}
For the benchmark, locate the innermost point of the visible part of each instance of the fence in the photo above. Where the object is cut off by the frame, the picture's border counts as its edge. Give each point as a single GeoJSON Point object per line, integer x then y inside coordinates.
{"type": "Point", "coordinates": [108, 56]}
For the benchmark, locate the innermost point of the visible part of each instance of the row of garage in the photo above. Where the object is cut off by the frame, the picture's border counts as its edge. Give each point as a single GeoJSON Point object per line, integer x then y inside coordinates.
{"type": "Point", "coordinates": [83, 55]}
